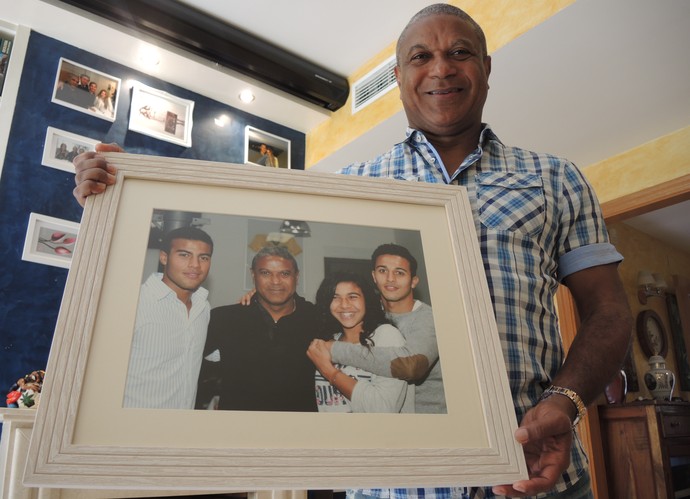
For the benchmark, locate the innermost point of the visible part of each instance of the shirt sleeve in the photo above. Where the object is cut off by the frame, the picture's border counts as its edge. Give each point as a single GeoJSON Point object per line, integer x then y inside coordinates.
{"type": "Point", "coordinates": [381, 393]}
{"type": "Point", "coordinates": [583, 238]}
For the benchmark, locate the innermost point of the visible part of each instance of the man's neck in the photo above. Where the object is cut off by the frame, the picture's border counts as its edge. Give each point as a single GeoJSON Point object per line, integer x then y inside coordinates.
{"type": "Point", "coordinates": [399, 307]}
{"type": "Point", "coordinates": [278, 311]}
{"type": "Point", "coordinates": [453, 149]}
{"type": "Point", "coordinates": [184, 295]}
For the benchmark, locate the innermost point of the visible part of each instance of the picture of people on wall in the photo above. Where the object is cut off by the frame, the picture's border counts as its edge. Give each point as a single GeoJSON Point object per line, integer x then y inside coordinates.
{"type": "Point", "coordinates": [266, 149]}
{"type": "Point", "coordinates": [61, 147]}
{"type": "Point", "coordinates": [295, 336]}
{"type": "Point", "coordinates": [86, 90]}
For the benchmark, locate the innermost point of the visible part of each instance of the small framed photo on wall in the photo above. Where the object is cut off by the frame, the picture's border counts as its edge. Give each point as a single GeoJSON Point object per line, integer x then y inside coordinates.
{"type": "Point", "coordinates": [85, 89]}
{"type": "Point", "coordinates": [50, 240]}
{"type": "Point", "coordinates": [265, 149]}
{"type": "Point", "coordinates": [161, 115]}
{"type": "Point", "coordinates": [62, 147]}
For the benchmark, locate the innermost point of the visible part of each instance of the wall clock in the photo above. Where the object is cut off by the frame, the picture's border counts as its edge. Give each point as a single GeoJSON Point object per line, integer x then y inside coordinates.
{"type": "Point", "coordinates": [651, 333]}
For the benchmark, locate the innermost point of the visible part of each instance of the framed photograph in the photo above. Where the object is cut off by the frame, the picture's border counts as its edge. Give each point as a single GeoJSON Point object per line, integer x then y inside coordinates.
{"type": "Point", "coordinates": [61, 147]}
{"type": "Point", "coordinates": [83, 436]}
{"type": "Point", "coordinates": [50, 241]}
{"type": "Point", "coordinates": [161, 115]}
{"type": "Point", "coordinates": [85, 89]}
{"type": "Point", "coordinates": [265, 149]}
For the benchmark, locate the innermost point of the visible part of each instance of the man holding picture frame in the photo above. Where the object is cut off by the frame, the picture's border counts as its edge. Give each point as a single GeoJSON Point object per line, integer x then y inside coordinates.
{"type": "Point", "coordinates": [538, 225]}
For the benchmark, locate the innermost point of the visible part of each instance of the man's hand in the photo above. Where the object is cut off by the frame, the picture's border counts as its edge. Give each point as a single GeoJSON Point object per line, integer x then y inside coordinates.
{"type": "Point", "coordinates": [319, 353]}
{"type": "Point", "coordinates": [93, 173]}
{"type": "Point", "coordinates": [546, 437]}
{"type": "Point", "coordinates": [246, 299]}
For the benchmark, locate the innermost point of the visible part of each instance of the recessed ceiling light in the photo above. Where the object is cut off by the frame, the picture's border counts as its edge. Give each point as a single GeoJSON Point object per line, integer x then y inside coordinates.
{"type": "Point", "coordinates": [246, 96]}
{"type": "Point", "coordinates": [149, 56]}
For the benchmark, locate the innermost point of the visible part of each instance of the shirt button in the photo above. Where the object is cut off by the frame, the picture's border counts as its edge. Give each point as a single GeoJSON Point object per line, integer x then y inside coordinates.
{"type": "Point", "coordinates": [433, 160]}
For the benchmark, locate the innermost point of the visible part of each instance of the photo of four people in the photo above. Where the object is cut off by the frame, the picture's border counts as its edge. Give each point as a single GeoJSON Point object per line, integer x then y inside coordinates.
{"type": "Point", "coordinates": [294, 336]}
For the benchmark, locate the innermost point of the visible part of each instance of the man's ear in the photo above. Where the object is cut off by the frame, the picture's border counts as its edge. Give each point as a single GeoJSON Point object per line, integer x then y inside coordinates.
{"type": "Point", "coordinates": [415, 281]}
{"type": "Point", "coordinates": [163, 258]}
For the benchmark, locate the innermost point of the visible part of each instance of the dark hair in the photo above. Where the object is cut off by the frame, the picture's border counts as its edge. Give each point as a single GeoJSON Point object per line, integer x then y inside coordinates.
{"type": "Point", "coordinates": [397, 250]}
{"type": "Point", "coordinates": [190, 233]}
{"type": "Point", "coordinates": [374, 315]}
{"type": "Point", "coordinates": [279, 251]}
{"type": "Point", "coordinates": [439, 9]}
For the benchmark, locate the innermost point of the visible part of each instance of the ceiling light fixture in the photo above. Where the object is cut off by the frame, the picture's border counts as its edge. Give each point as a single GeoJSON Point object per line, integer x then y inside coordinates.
{"type": "Point", "coordinates": [246, 96]}
{"type": "Point", "coordinates": [149, 56]}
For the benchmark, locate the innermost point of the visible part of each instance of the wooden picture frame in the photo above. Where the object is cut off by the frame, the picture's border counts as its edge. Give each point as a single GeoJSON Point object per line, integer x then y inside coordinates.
{"type": "Point", "coordinates": [84, 438]}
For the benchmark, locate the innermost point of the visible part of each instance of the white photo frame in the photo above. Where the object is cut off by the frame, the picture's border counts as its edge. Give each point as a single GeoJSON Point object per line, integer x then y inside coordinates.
{"type": "Point", "coordinates": [60, 147]}
{"type": "Point", "coordinates": [266, 149]}
{"type": "Point", "coordinates": [84, 438]}
{"type": "Point", "coordinates": [50, 240]}
{"type": "Point", "coordinates": [68, 94]}
{"type": "Point", "coordinates": [161, 115]}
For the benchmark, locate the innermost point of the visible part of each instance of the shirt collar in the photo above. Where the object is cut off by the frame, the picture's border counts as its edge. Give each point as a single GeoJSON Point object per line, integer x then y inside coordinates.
{"type": "Point", "coordinates": [416, 137]}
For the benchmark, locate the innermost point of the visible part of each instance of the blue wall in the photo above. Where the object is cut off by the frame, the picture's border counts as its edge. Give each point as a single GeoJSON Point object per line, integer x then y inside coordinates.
{"type": "Point", "coordinates": [30, 293]}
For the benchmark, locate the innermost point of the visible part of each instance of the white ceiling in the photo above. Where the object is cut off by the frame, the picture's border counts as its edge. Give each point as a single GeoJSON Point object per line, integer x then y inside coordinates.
{"type": "Point", "coordinates": [340, 36]}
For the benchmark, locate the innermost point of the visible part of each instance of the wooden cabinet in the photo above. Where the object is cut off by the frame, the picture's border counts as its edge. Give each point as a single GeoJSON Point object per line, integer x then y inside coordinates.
{"type": "Point", "coordinates": [646, 449]}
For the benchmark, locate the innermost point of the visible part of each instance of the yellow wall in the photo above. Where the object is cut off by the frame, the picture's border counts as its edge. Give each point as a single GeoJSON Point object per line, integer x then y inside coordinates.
{"type": "Point", "coordinates": [502, 21]}
{"type": "Point", "coordinates": [661, 160]}
{"type": "Point", "coordinates": [643, 252]}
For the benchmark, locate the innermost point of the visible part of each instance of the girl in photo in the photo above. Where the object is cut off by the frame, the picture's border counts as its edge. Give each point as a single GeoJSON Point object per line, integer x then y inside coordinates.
{"type": "Point", "coordinates": [351, 311]}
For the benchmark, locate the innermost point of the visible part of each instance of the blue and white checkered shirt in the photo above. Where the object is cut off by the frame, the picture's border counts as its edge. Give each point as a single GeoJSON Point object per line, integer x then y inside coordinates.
{"type": "Point", "coordinates": [537, 220]}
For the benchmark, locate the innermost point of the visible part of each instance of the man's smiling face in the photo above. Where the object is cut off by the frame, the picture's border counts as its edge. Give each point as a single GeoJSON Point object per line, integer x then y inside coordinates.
{"type": "Point", "coordinates": [443, 75]}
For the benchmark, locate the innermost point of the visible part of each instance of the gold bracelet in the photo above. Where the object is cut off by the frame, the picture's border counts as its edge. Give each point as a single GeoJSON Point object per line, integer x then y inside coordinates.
{"type": "Point", "coordinates": [332, 380]}
{"type": "Point", "coordinates": [574, 398]}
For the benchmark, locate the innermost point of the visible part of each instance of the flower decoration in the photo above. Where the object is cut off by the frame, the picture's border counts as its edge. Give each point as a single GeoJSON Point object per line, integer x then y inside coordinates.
{"type": "Point", "coordinates": [26, 392]}
{"type": "Point", "coordinates": [60, 243]}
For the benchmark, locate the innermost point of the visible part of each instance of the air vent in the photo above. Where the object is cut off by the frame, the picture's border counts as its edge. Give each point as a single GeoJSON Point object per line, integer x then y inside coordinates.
{"type": "Point", "coordinates": [374, 84]}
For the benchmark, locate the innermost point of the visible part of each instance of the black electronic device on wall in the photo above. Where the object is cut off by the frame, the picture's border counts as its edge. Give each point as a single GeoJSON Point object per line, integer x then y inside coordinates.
{"type": "Point", "coordinates": [189, 29]}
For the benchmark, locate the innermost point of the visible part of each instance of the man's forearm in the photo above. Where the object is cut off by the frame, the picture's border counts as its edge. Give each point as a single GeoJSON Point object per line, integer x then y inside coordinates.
{"type": "Point", "coordinates": [603, 338]}
{"type": "Point", "coordinates": [597, 353]}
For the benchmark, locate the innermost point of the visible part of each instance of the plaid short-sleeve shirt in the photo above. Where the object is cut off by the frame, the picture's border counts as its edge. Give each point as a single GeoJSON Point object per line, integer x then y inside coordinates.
{"type": "Point", "coordinates": [537, 221]}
